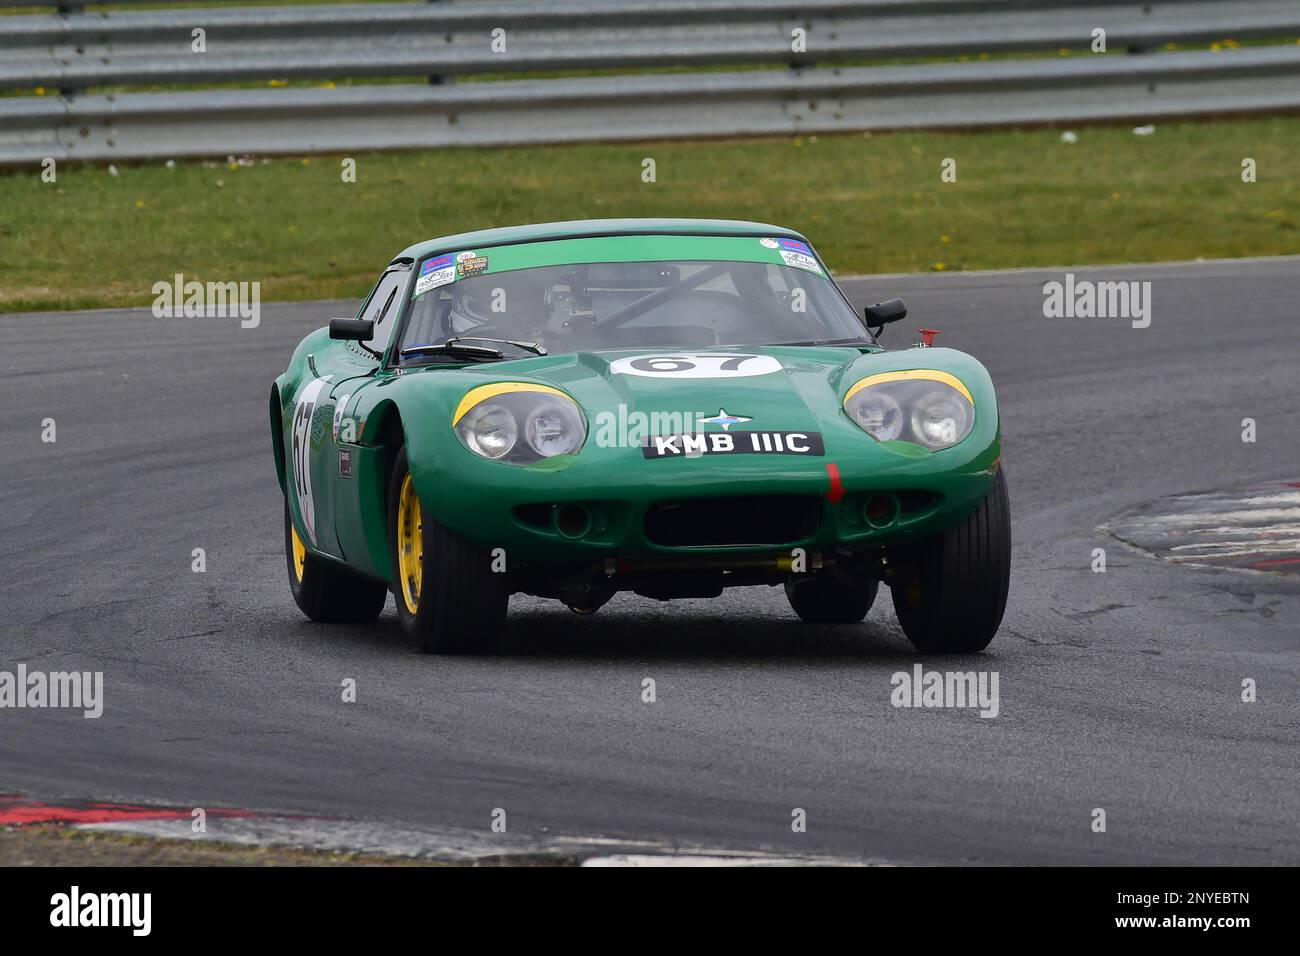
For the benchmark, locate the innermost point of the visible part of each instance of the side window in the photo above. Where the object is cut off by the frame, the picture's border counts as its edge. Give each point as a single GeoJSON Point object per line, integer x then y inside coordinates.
{"type": "Point", "coordinates": [383, 307]}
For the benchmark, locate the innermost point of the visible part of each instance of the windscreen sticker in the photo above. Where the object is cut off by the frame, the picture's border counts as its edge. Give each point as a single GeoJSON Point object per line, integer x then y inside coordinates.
{"type": "Point", "coordinates": [469, 264]}
{"type": "Point", "coordinates": [695, 365]}
{"type": "Point", "coordinates": [433, 280]}
{"type": "Point", "coordinates": [587, 250]}
{"type": "Point", "coordinates": [800, 261]}
{"type": "Point", "coordinates": [437, 263]}
{"type": "Point", "coordinates": [303, 413]}
{"type": "Point", "coordinates": [789, 245]}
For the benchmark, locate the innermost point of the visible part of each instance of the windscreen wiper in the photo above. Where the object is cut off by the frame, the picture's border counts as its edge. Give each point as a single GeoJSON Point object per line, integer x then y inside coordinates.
{"type": "Point", "coordinates": [472, 353]}
{"type": "Point", "coordinates": [526, 346]}
{"type": "Point", "coordinates": [853, 341]}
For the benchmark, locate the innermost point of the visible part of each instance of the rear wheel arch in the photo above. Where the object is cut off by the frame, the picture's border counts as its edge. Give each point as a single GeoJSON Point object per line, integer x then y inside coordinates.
{"type": "Point", "coordinates": [324, 591]}
{"type": "Point", "coordinates": [277, 435]}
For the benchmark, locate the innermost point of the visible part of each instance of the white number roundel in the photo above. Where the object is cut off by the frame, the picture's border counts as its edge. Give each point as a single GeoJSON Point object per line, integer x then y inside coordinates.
{"type": "Point", "coordinates": [695, 365]}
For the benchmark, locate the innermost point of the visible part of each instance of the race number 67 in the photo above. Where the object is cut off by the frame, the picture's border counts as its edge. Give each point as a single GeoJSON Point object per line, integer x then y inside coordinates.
{"type": "Point", "coordinates": [670, 365]}
{"type": "Point", "coordinates": [695, 365]}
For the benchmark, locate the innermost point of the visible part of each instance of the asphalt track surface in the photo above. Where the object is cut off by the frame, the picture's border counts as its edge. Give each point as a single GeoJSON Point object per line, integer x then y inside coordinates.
{"type": "Point", "coordinates": [1119, 690]}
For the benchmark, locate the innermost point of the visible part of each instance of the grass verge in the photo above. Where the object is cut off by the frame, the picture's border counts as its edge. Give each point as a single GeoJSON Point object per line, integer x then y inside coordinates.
{"type": "Point", "coordinates": [871, 204]}
{"type": "Point", "coordinates": [65, 846]}
{"type": "Point", "coordinates": [58, 846]}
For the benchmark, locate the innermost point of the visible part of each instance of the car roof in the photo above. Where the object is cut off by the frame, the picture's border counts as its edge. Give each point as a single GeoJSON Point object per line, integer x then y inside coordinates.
{"type": "Point", "coordinates": [586, 228]}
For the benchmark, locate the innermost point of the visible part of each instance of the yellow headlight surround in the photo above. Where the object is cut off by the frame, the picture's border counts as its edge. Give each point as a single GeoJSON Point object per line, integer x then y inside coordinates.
{"type": "Point", "coordinates": [911, 375]}
{"type": "Point", "coordinates": [924, 407]}
{"type": "Point", "coordinates": [483, 392]}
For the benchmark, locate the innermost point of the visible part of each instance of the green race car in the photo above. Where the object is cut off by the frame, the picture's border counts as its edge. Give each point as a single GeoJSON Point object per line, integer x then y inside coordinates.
{"type": "Point", "coordinates": [669, 407]}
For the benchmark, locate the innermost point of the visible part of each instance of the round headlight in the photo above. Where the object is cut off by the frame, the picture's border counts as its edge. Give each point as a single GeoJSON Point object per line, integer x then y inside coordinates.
{"type": "Point", "coordinates": [926, 407]}
{"type": "Point", "coordinates": [877, 414]}
{"type": "Point", "coordinates": [553, 427]}
{"type": "Point", "coordinates": [519, 422]}
{"type": "Point", "coordinates": [489, 430]}
{"type": "Point", "coordinates": [941, 418]}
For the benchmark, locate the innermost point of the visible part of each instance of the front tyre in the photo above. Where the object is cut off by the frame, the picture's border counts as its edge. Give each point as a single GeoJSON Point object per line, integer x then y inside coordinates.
{"type": "Point", "coordinates": [831, 597]}
{"type": "Point", "coordinates": [324, 592]}
{"type": "Point", "coordinates": [448, 597]}
{"type": "Point", "coordinates": [950, 592]}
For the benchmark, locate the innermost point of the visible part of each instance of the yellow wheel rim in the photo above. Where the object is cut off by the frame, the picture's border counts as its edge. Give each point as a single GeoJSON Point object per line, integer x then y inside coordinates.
{"type": "Point", "coordinates": [299, 554]}
{"type": "Point", "coordinates": [410, 544]}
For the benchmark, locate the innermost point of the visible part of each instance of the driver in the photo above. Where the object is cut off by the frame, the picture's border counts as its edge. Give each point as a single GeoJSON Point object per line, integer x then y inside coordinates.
{"type": "Point", "coordinates": [511, 305]}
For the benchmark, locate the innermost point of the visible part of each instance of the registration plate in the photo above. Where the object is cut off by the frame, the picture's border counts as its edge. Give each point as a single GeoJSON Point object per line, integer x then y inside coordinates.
{"type": "Point", "coordinates": [733, 443]}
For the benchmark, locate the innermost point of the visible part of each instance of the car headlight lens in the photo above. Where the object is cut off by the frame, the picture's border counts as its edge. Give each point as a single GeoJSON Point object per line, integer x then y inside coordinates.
{"type": "Point", "coordinates": [878, 414]}
{"type": "Point", "coordinates": [489, 430]}
{"type": "Point", "coordinates": [926, 407]}
{"type": "Point", "coordinates": [939, 417]}
{"type": "Point", "coordinates": [519, 422]}
{"type": "Point", "coordinates": [554, 428]}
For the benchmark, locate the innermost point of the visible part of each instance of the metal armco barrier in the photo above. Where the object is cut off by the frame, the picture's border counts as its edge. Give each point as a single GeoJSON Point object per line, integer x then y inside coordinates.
{"type": "Point", "coordinates": [81, 54]}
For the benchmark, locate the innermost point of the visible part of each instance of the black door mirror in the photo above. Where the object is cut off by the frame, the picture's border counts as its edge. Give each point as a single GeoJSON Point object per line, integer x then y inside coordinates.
{"type": "Point", "coordinates": [356, 330]}
{"type": "Point", "coordinates": [882, 313]}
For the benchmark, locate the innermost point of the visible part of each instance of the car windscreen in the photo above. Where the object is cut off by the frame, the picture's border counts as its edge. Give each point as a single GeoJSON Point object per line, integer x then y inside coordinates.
{"type": "Point", "coordinates": [623, 292]}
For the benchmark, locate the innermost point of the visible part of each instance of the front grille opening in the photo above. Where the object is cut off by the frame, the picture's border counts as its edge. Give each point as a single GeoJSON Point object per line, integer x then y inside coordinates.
{"type": "Point", "coordinates": [539, 516]}
{"type": "Point", "coordinates": [912, 501]}
{"type": "Point", "coordinates": [760, 520]}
